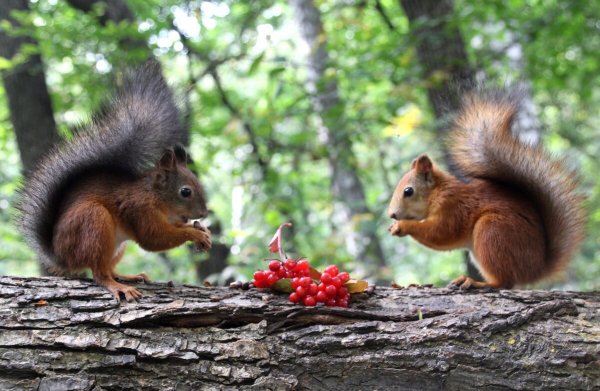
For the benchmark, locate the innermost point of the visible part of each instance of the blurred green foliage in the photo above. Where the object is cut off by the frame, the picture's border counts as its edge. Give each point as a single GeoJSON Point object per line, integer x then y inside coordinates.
{"type": "Point", "coordinates": [261, 66]}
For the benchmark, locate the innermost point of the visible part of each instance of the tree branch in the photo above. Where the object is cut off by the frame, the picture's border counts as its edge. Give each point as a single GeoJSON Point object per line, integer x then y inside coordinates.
{"type": "Point", "coordinates": [71, 334]}
{"type": "Point", "coordinates": [381, 11]}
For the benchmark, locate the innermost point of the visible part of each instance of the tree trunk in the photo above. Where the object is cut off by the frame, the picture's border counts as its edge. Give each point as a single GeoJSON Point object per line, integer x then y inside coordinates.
{"type": "Point", "coordinates": [441, 52]}
{"type": "Point", "coordinates": [350, 206]}
{"type": "Point", "coordinates": [443, 57]}
{"type": "Point", "coordinates": [115, 11]}
{"type": "Point", "coordinates": [25, 84]}
{"type": "Point", "coordinates": [62, 334]}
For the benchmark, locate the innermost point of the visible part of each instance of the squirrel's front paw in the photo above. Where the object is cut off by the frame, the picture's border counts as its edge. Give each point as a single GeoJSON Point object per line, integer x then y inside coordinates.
{"type": "Point", "coordinates": [396, 229]}
{"type": "Point", "coordinates": [204, 241]}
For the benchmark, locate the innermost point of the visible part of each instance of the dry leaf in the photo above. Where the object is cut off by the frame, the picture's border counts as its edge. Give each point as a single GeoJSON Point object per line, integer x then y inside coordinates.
{"type": "Point", "coordinates": [356, 286]}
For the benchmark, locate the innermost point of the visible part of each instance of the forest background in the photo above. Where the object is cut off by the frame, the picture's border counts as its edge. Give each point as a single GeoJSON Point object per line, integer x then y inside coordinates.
{"type": "Point", "coordinates": [303, 111]}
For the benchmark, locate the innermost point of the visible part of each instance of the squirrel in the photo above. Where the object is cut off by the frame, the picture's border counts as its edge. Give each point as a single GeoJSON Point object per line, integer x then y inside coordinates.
{"type": "Point", "coordinates": [514, 208]}
{"type": "Point", "coordinates": [123, 177]}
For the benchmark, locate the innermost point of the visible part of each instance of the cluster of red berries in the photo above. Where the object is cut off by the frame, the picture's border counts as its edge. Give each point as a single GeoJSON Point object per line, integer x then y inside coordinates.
{"type": "Point", "coordinates": [330, 291]}
{"type": "Point", "coordinates": [277, 270]}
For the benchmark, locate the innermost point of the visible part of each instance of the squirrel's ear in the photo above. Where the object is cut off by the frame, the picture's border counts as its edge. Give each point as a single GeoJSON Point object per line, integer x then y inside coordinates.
{"type": "Point", "coordinates": [180, 154]}
{"type": "Point", "coordinates": [159, 179]}
{"type": "Point", "coordinates": [168, 161]}
{"type": "Point", "coordinates": [423, 165]}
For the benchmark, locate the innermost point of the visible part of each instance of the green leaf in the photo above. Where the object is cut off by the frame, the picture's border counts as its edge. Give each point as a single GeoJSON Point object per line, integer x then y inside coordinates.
{"type": "Point", "coordinates": [5, 63]}
{"type": "Point", "coordinates": [255, 63]}
{"type": "Point", "coordinates": [283, 285]}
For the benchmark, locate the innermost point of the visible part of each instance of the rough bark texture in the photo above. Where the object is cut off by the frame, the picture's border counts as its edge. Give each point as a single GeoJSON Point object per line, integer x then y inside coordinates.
{"type": "Point", "coordinates": [25, 85]}
{"type": "Point", "coordinates": [350, 205]}
{"type": "Point", "coordinates": [60, 334]}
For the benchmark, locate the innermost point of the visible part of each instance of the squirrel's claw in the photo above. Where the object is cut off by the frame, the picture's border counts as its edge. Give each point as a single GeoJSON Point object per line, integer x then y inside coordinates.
{"type": "Point", "coordinates": [464, 283]}
{"type": "Point", "coordinates": [130, 293]}
{"type": "Point", "coordinates": [395, 229]}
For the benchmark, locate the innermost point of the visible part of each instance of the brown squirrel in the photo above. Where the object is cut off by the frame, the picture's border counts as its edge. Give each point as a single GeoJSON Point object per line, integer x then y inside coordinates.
{"type": "Point", "coordinates": [515, 209]}
{"type": "Point", "coordinates": [123, 177]}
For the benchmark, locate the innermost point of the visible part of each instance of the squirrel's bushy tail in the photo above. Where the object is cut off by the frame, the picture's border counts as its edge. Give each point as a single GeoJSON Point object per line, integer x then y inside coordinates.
{"type": "Point", "coordinates": [126, 137]}
{"type": "Point", "coordinates": [482, 145]}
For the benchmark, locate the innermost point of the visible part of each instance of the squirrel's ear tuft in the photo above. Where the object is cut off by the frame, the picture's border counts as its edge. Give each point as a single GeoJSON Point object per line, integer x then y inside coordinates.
{"type": "Point", "coordinates": [180, 154]}
{"type": "Point", "coordinates": [168, 161]}
{"type": "Point", "coordinates": [422, 164]}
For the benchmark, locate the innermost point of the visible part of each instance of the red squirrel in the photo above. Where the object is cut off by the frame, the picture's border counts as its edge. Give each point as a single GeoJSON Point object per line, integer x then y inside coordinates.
{"type": "Point", "coordinates": [123, 177]}
{"type": "Point", "coordinates": [516, 210]}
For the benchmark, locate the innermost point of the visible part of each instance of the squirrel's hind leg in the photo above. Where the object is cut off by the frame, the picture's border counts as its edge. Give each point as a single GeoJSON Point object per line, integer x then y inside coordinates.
{"type": "Point", "coordinates": [140, 277]}
{"type": "Point", "coordinates": [85, 236]}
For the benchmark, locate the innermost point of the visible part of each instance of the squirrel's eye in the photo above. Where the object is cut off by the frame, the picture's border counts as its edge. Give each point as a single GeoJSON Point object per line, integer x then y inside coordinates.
{"type": "Point", "coordinates": [408, 191]}
{"type": "Point", "coordinates": [185, 192]}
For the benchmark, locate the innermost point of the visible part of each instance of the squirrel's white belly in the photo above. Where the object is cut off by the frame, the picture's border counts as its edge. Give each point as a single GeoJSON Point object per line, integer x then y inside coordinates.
{"type": "Point", "coordinates": [121, 239]}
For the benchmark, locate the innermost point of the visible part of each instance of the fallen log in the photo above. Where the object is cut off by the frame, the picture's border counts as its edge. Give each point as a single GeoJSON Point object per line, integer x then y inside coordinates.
{"type": "Point", "coordinates": [67, 334]}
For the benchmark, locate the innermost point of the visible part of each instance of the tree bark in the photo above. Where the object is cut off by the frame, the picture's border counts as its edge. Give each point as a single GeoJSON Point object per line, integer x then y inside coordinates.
{"type": "Point", "coordinates": [350, 205]}
{"type": "Point", "coordinates": [441, 52]}
{"type": "Point", "coordinates": [64, 334]}
{"type": "Point", "coordinates": [28, 99]}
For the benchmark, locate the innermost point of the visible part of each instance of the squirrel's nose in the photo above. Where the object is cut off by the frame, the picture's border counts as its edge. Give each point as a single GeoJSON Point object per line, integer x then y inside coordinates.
{"type": "Point", "coordinates": [393, 215]}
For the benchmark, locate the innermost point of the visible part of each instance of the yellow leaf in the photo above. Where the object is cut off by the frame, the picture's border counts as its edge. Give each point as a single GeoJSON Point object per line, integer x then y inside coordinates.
{"type": "Point", "coordinates": [403, 124]}
{"type": "Point", "coordinates": [356, 286]}
{"type": "Point", "coordinates": [406, 57]}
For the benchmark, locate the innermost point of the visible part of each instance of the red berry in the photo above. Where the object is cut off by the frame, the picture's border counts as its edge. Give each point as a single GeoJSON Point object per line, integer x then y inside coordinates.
{"type": "Point", "coordinates": [289, 274]}
{"type": "Point", "coordinates": [272, 279]}
{"type": "Point", "coordinates": [289, 264]}
{"type": "Point", "coordinates": [310, 301]}
{"type": "Point", "coordinates": [342, 292]}
{"type": "Point", "coordinates": [342, 303]}
{"type": "Point", "coordinates": [322, 287]}
{"type": "Point", "coordinates": [274, 266]}
{"type": "Point", "coordinates": [330, 303]}
{"type": "Point", "coordinates": [312, 289]}
{"type": "Point", "coordinates": [260, 275]}
{"type": "Point", "coordinates": [260, 283]}
{"type": "Point", "coordinates": [321, 297]}
{"type": "Point", "coordinates": [294, 298]}
{"type": "Point", "coordinates": [335, 281]}
{"type": "Point", "coordinates": [295, 282]}
{"type": "Point", "coordinates": [305, 281]}
{"type": "Point", "coordinates": [332, 270]}
{"type": "Point", "coordinates": [326, 278]}
{"type": "Point", "coordinates": [301, 291]}
{"type": "Point", "coordinates": [344, 277]}
{"type": "Point", "coordinates": [281, 273]}
{"type": "Point", "coordinates": [331, 291]}
{"type": "Point", "coordinates": [306, 273]}
{"type": "Point", "coordinates": [301, 265]}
